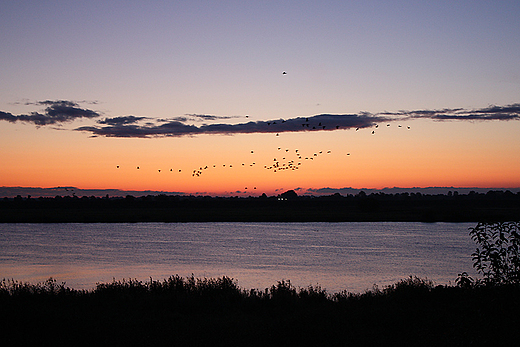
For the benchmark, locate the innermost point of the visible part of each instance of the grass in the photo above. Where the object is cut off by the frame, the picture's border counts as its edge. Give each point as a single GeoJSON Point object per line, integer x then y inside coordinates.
{"type": "Point", "coordinates": [193, 312]}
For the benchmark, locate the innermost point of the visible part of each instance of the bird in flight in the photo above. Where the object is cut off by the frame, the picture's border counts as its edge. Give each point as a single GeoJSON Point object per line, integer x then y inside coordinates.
{"type": "Point", "coordinates": [284, 73]}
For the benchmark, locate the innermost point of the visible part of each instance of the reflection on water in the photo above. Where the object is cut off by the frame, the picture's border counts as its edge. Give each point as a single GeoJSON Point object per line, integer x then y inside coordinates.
{"type": "Point", "coordinates": [338, 256]}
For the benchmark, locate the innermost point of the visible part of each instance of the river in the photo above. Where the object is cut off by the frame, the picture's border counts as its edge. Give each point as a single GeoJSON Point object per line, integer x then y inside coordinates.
{"type": "Point", "coordinates": [337, 256]}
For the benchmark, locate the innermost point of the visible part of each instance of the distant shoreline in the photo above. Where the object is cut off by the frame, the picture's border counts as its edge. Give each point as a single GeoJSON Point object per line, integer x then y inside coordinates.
{"type": "Point", "coordinates": [286, 207]}
{"type": "Point", "coordinates": [63, 191]}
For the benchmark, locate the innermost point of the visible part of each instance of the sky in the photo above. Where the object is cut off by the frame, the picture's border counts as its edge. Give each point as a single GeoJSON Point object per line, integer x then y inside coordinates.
{"type": "Point", "coordinates": [251, 97]}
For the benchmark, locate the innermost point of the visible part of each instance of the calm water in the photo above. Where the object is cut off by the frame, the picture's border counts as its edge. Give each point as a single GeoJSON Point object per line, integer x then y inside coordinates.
{"type": "Point", "coordinates": [338, 256]}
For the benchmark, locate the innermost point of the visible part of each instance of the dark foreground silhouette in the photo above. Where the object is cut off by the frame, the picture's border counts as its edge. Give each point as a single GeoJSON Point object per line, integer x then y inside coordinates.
{"type": "Point", "coordinates": [286, 207]}
{"type": "Point", "coordinates": [216, 312]}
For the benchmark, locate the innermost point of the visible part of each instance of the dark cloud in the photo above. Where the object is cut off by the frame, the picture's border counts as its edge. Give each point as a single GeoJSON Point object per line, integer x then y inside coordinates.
{"type": "Point", "coordinates": [509, 112]}
{"type": "Point", "coordinates": [56, 112]}
{"type": "Point", "coordinates": [192, 117]}
{"type": "Point", "coordinates": [53, 102]}
{"type": "Point", "coordinates": [172, 128]}
{"type": "Point", "coordinates": [7, 116]}
{"type": "Point", "coordinates": [121, 120]}
{"type": "Point", "coordinates": [321, 122]}
{"type": "Point", "coordinates": [176, 119]}
{"type": "Point", "coordinates": [61, 111]}
{"type": "Point", "coordinates": [177, 128]}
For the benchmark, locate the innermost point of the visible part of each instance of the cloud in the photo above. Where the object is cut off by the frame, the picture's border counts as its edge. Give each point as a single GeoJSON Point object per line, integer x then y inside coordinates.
{"type": "Point", "coordinates": [52, 192]}
{"type": "Point", "coordinates": [509, 112]}
{"type": "Point", "coordinates": [192, 117]}
{"type": "Point", "coordinates": [208, 117]}
{"type": "Point", "coordinates": [51, 102]}
{"type": "Point", "coordinates": [56, 112]}
{"type": "Point", "coordinates": [400, 190]}
{"type": "Point", "coordinates": [322, 122]}
{"type": "Point", "coordinates": [176, 128]}
{"type": "Point", "coordinates": [61, 111]}
{"type": "Point", "coordinates": [9, 117]}
{"type": "Point", "coordinates": [121, 120]}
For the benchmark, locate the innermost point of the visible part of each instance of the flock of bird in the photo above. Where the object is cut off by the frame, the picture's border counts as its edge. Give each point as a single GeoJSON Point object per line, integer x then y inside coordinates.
{"type": "Point", "coordinates": [285, 160]}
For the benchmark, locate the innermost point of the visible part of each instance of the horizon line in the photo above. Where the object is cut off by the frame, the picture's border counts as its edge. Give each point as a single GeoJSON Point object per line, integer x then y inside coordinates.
{"type": "Point", "coordinates": [14, 191]}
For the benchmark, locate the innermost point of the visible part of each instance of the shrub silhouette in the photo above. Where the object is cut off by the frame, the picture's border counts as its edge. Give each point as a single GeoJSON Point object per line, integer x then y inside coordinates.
{"type": "Point", "coordinates": [216, 312]}
{"type": "Point", "coordinates": [498, 256]}
{"type": "Point", "coordinates": [464, 280]}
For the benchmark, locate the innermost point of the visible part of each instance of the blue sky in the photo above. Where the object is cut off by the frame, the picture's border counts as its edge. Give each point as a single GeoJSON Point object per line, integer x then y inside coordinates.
{"type": "Point", "coordinates": [163, 58]}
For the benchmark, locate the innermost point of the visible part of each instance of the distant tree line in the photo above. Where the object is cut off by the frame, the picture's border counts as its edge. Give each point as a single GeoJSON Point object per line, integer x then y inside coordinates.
{"type": "Point", "coordinates": [288, 206]}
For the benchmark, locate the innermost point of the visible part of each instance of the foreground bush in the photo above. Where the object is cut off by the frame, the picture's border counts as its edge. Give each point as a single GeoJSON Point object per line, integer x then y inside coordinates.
{"type": "Point", "coordinates": [497, 256]}
{"type": "Point", "coordinates": [191, 311]}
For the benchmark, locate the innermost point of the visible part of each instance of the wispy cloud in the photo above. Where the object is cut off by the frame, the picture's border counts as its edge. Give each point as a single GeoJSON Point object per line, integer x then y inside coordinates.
{"type": "Point", "coordinates": [208, 117]}
{"type": "Point", "coordinates": [55, 112]}
{"type": "Point", "coordinates": [61, 111]}
{"type": "Point", "coordinates": [121, 120]}
{"type": "Point", "coordinates": [509, 112]}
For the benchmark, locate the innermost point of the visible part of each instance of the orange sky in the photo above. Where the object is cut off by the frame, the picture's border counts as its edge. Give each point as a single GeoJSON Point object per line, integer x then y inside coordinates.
{"type": "Point", "coordinates": [460, 154]}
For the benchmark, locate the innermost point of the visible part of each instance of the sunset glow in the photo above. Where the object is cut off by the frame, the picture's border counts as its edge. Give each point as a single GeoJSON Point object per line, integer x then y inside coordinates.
{"type": "Point", "coordinates": [191, 99]}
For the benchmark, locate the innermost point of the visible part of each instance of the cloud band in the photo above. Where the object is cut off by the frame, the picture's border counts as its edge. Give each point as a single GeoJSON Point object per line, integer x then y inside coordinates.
{"type": "Point", "coordinates": [61, 111]}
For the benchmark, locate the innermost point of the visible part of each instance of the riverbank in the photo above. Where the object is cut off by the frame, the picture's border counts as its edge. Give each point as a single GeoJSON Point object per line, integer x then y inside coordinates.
{"type": "Point", "coordinates": [196, 312]}
{"type": "Point", "coordinates": [287, 207]}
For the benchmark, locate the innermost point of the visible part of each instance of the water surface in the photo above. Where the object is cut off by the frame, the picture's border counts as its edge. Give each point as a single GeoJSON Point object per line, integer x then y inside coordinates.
{"type": "Point", "coordinates": [338, 256]}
